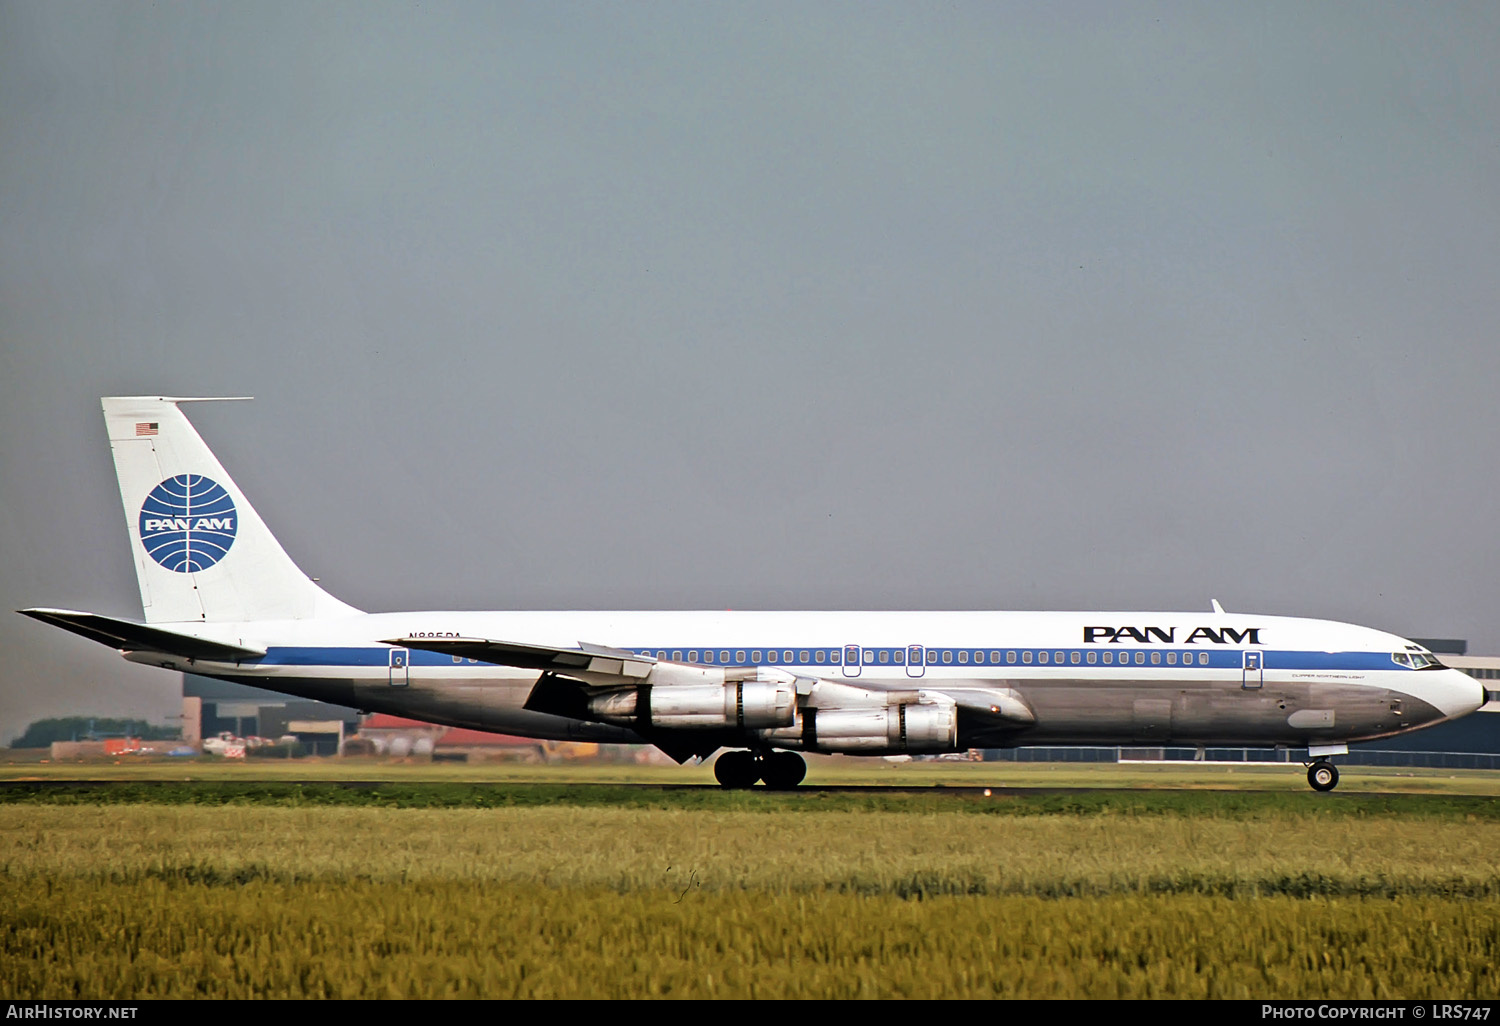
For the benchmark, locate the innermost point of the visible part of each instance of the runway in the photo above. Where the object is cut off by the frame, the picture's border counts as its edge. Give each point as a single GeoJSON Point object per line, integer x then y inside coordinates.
{"type": "Point", "coordinates": [929, 790]}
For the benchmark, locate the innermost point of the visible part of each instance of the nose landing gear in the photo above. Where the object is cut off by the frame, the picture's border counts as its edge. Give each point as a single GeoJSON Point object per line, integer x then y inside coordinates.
{"type": "Point", "coordinates": [1323, 775]}
{"type": "Point", "coordinates": [781, 771]}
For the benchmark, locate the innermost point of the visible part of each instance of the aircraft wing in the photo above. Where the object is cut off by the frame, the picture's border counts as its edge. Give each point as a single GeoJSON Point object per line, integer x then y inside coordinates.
{"type": "Point", "coordinates": [590, 660]}
{"type": "Point", "coordinates": [600, 683]}
{"type": "Point", "coordinates": [612, 667]}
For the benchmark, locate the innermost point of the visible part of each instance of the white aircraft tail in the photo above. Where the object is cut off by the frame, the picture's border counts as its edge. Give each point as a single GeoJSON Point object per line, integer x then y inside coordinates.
{"type": "Point", "coordinates": [201, 551]}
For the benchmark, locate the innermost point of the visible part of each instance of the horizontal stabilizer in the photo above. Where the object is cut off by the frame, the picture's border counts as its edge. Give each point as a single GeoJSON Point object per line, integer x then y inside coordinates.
{"type": "Point", "coordinates": [129, 636]}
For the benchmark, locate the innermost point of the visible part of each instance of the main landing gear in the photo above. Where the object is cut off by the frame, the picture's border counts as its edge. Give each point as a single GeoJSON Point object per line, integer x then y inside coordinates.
{"type": "Point", "coordinates": [781, 771]}
{"type": "Point", "coordinates": [1323, 775]}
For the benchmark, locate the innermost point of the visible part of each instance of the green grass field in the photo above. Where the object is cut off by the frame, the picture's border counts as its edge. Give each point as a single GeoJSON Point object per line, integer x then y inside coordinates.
{"type": "Point", "coordinates": [474, 882]}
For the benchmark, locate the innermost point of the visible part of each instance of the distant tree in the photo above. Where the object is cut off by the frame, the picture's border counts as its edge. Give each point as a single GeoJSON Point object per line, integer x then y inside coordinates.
{"type": "Point", "coordinates": [83, 728]}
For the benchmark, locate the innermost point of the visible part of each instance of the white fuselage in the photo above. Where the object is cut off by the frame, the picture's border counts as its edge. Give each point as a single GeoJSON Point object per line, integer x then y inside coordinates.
{"type": "Point", "coordinates": [1098, 677]}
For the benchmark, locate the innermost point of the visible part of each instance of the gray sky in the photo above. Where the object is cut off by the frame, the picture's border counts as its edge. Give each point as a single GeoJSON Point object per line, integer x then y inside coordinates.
{"type": "Point", "coordinates": [1088, 305]}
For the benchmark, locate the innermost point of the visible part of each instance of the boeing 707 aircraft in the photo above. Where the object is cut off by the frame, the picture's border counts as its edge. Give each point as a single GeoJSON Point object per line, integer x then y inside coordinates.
{"type": "Point", "coordinates": [221, 598]}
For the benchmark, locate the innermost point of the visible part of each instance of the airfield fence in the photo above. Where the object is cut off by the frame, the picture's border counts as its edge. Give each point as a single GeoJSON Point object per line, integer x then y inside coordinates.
{"type": "Point", "coordinates": [1357, 757]}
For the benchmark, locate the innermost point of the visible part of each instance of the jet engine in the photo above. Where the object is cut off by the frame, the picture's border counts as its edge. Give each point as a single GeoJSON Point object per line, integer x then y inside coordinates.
{"type": "Point", "coordinates": [908, 727]}
{"type": "Point", "coordinates": [745, 705]}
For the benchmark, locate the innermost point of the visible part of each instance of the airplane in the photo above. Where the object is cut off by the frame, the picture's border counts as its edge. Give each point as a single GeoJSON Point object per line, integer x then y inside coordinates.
{"type": "Point", "coordinates": [221, 598]}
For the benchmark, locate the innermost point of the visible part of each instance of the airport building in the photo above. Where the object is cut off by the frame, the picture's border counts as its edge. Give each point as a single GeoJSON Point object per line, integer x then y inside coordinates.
{"type": "Point", "coordinates": [211, 707]}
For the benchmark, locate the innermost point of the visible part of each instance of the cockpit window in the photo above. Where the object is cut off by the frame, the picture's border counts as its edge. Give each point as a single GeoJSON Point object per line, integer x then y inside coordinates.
{"type": "Point", "coordinates": [1401, 658]}
{"type": "Point", "coordinates": [1424, 661]}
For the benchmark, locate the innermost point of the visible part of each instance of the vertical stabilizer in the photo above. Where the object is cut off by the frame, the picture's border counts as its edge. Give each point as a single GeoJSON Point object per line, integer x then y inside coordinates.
{"type": "Point", "coordinates": [201, 551]}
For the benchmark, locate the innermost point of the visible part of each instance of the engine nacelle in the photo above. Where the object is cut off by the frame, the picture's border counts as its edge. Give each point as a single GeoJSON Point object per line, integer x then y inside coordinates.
{"type": "Point", "coordinates": [909, 727]}
{"type": "Point", "coordinates": [745, 705]}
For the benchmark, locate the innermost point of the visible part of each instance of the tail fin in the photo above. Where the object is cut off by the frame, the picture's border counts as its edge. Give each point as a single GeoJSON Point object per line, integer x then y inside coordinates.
{"type": "Point", "coordinates": [201, 551]}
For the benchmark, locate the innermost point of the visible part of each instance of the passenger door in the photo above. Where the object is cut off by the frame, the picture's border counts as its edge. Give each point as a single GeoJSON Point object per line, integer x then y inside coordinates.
{"type": "Point", "coordinates": [1254, 675]}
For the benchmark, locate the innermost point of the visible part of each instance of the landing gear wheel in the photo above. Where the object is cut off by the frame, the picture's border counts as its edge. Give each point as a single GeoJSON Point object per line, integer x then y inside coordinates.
{"type": "Point", "coordinates": [1323, 776]}
{"type": "Point", "coordinates": [783, 771]}
{"type": "Point", "coordinates": [736, 770]}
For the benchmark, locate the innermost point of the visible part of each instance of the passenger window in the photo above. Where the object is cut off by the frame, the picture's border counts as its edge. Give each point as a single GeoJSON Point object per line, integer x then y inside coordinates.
{"type": "Point", "coordinates": [1155, 658]}
{"type": "Point", "coordinates": [1057, 656]}
{"type": "Point", "coordinates": [739, 655]}
{"type": "Point", "coordinates": [995, 658]}
{"type": "Point", "coordinates": [1093, 658]}
{"type": "Point", "coordinates": [818, 654]}
{"type": "Point", "coordinates": [693, 656]}
{"type": "Point", "coordinates": [1109, 659]}
{"type": "Point", "coordinates": [755, 656]}
{"type": "Point", "coordinates": [1026, 657]}
{"type": "Point", "coordinates": [458, 659]}
{"type": "Point", "coordinates": [963, 655]}
{"type": "Point", "coordinates": [802, 655]}
{"type": "Point", "coordinates": [900, 656]}
{"type": "Point", "coordinates": [1073, 658]}
{"type": "Point", "coordinates": [869, 655]}
{"type": "Point", "coordinates": [1202, 658]}
{"type": "Point", "coordinates": [1140, 658]}
{"type": "Point", "coordinates": [885, 655]}
{"type": "Point", "coordinates": [947, 655]}
{"type": "Point", "coordinates": [1041, 657]}
{"type": "Point", "coordinates": [1171, 658]}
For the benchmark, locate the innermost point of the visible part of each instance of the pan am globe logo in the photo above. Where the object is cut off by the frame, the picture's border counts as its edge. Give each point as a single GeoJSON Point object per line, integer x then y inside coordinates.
{"type": "Point", "coordinates": [188, 523]}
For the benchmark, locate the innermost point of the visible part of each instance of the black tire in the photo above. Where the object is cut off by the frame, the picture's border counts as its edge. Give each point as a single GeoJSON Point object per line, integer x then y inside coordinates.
{"type": "Point", "coordinates": [783, 771]}
{"type": "Point", "coordinates": [1323, 776]}
{"type": "Point", "coordinates": [736, 770]}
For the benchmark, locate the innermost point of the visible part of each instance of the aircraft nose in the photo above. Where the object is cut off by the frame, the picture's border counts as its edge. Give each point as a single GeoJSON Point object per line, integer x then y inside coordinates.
{"type": "Point", "coordinates": [1459, 694]}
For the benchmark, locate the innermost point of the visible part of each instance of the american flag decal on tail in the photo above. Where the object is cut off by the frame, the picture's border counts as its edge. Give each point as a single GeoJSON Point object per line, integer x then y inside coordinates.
{"type": "Point", "coordinates": [145, 429]}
